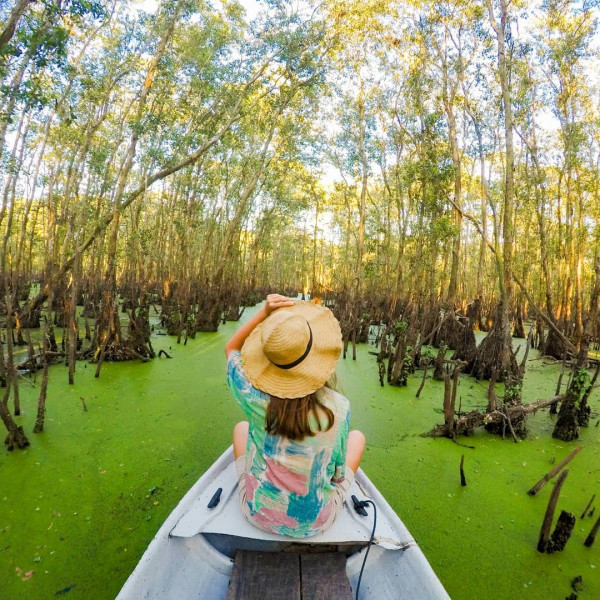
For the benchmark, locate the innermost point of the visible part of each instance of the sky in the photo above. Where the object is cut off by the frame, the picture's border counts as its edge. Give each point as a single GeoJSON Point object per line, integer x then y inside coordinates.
{"type": "Point", "coordinates": [251, 6]}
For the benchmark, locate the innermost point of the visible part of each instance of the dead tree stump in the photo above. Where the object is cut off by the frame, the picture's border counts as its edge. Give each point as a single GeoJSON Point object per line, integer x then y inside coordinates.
{"type": "Point", "coordinates": [16, 437]}
{"type": "Point", "coordinates": [562, 532]}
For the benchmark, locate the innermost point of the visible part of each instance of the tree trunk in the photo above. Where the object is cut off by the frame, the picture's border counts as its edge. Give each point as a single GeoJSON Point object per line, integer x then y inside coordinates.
{"type": "Point", "coordinates": [11, 25]}
{"type": "Point", "coordinates": [41, 407]}
{"type": "Point", "coordinates": [495, 351]}
{"type": "Point", "coordinates": [574, 406]}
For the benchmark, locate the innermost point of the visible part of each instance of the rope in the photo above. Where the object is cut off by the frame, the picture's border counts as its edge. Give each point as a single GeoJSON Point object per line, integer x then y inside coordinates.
{"type": "Point", "coordinates": [359, 507]}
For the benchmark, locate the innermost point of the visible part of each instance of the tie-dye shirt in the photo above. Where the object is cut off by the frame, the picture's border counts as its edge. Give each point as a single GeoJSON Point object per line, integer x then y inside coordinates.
{"type": "Point", "coordinates": [288, 483]}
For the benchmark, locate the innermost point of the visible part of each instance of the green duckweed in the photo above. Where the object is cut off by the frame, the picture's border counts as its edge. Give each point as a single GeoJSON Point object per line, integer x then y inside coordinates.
{"type": "Point", "coordinates": [81, 504]}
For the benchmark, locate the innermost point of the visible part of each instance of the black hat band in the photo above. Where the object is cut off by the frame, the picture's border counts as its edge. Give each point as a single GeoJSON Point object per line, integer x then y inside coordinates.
{"type": "Point", "coordinates": [298, 360]}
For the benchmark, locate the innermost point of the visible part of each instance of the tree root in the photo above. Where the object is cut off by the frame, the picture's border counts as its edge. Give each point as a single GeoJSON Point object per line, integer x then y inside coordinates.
{"type": "Point", "coordinates": [468, 423]}
{"type": "Point", "coordinates": [16, 438]}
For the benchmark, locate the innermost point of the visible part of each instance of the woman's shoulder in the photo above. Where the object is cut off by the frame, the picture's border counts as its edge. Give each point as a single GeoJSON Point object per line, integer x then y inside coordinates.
{"type": "Point", "coordinates": [235, 370]}
{"type": "Point", "coordinates": [238, 380]}
{"type": "Point", "coordinates": [339, 400]}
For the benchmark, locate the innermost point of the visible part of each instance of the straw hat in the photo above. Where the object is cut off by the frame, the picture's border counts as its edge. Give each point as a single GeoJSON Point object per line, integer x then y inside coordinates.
{"type": "Point", "coordinates": [293, 352]}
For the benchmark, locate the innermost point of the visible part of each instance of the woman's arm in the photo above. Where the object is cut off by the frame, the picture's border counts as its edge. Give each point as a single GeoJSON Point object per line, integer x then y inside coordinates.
{"type": "Point", "coordinates": [272, 302]}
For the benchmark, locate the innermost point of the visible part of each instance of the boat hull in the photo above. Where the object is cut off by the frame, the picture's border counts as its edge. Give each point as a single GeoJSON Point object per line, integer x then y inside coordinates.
{"type": "Point", "coordinates": [191, 556]}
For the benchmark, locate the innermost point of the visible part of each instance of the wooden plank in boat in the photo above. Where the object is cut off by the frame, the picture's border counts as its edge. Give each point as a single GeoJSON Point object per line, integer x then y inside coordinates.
{"type": "Point", "coordinates": [276, 575]}
{"type": "Point", "coordinates": [324, 577]}
{"type": "Point", "coordinates": [265, 576]}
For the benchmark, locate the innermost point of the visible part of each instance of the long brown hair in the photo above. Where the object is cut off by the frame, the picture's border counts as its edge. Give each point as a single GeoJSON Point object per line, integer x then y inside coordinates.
{"type": "Point", "coordinates": [290, 418]}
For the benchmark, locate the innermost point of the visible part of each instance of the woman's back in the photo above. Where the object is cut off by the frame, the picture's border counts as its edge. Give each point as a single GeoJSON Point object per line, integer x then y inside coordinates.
{"type": "Point", "coordinates": [288, 483]}
{"type": "Point", "coordinates": [295, 455]}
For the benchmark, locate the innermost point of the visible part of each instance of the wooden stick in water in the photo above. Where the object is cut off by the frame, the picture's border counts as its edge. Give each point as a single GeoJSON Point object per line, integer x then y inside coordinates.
{"type": "Point", "coordinates": [422, 381]}
{"type": "Point", "coordinates": [547, 523]}
{"type": "Point", "coordinates": [588, 506]}
{"type": "Point", "coordinates": [463, 480]}
{"type": "Point", "coordinates": [548, 476]}
{"type": "Point", "coordinates": [590, 538]}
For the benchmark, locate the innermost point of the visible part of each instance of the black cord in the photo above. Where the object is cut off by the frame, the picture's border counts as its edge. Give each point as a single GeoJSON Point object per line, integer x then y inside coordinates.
{"type": "Point", "coordinates": [361, 504]}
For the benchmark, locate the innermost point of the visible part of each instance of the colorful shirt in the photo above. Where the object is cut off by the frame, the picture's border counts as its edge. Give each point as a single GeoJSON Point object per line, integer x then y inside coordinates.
{"type": "Point", "coordinates": [289, 482]}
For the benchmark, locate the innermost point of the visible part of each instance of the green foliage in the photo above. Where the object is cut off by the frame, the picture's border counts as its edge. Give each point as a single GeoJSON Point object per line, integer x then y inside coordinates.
{"type": "Point", "coordinates": [353, 100]}
{"type": "Point", "coordinates": [400, 326]}
{"type": "Point", "coordinates": [428, 353]}
{"type": "Point", "coordinates": [513, 393]}
{"type": "Point", "coordinates": [443, 228]}
{"type": "Point", "coordinates": [579, 383]}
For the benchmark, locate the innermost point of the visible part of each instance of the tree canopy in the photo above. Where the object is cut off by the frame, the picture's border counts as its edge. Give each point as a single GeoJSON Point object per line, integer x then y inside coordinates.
{"type": "Point", "coordinates": [418, 152]}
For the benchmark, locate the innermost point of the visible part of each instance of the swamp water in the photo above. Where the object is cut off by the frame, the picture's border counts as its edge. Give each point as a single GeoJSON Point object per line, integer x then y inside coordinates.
{"type": "Point", "coordinates": [81, 504]}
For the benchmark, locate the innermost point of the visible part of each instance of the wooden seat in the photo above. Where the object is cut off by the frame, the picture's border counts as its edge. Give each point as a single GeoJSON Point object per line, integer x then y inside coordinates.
{"type": "Point", "coordinates": [288, 576]}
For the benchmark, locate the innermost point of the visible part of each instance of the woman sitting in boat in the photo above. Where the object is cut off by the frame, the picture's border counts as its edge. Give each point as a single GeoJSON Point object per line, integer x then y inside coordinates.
{"type": "Point", "coordinates": [295, 456]}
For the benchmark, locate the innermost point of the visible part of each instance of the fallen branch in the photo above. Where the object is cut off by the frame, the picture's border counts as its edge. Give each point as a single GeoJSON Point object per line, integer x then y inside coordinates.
{"type": "Point", "coordinates": [512, 431]}
{"type": "Point", "coordinates": [32, 361]}
{"type": "Point", "coordinates": [548, 476]}
{"type": "Point", "coordinates": [28, 381]}
{"type": "Point", "coordinates": [136, 354]}
{"type": "Point", "coordinates": [589, 505]}
{"type": "Point", "coordinates": [475, 418]}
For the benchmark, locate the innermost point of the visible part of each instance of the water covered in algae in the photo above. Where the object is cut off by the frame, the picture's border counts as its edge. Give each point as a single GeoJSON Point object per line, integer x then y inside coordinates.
{"type": "Point", "coordinates": [78, 508]}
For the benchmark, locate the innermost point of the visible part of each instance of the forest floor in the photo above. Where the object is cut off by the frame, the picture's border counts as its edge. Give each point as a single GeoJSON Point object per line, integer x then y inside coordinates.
{"type": "Point", "coordinates": [80, 505]}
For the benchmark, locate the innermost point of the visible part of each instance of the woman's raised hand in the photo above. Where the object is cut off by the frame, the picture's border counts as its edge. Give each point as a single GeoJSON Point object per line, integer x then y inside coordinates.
{"type": "Point", "coordinates": [275, 301]}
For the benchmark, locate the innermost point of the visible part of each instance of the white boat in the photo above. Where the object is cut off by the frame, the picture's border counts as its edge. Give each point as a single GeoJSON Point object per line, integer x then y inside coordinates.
{"type": "Point", "coordinates": [192, 554]}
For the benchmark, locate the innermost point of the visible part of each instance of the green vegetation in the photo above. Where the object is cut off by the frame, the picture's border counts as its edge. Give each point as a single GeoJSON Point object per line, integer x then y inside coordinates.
{"type": "Point", "coordinates": [81, 504]}
{"type": "Point", "coordinates": [429, 170]}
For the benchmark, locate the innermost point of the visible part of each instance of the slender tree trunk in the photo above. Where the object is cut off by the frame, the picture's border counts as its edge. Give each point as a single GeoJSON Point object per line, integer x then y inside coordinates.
{"type": "Point", "coordinates": [73, 326]}
{"type": "Point", "coordinates": [12, 374]}
{"type": "Point", "coordinates": [495, 351]}
{"type": "Point", "coordinates": [11, 25]}
{"type": "Point", "coordinates": [574, 407]}
{"type": "Point", "coordinates": [41, 407]}
{"type": "Point", "coordinates": [360, 247]}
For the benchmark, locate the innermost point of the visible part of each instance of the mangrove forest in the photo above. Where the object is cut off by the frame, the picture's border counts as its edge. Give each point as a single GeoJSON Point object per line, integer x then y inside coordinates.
{"type": "Point", "coordinates": [428, 170]}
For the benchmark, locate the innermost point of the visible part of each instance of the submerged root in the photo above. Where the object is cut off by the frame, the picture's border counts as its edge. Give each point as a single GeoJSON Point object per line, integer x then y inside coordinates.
{"type": "Point", "coordinates": [495, 352]}
{"type": "Point", "coordinates": [17, 438]}
{"type": "Point", "coordinates": [554, 346]}
{"type": "Point", "coordinates": [121, 350]}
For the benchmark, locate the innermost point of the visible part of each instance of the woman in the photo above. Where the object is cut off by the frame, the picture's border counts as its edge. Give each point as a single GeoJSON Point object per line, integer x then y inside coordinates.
{"type": "Point", "coordinates": [295, 456]}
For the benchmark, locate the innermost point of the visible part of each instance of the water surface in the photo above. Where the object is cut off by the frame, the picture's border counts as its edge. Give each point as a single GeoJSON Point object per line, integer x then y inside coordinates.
{"type": "Point", "coordinates": [80, 505]}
